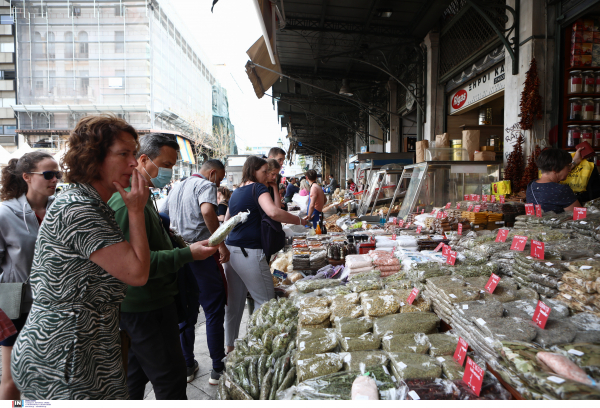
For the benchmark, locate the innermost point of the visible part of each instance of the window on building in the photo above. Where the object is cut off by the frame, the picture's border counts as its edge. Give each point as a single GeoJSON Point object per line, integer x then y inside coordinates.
{"type": "Point", "coordinates": [84, 81]}
{"type": "Point", "coordinates": [38, 45]}
{"type": "Point", "coordinates": [119, 10]}
{"type": "Point", "coordinates": [77, 11]}
{"type": "Point", "coordinates": [39, 81]}
{"type": "Point", "coordinates": [8, 102]}
{"type": "Point", "coordinates": [7, 47]}
{"type": "Point", "coordinates": [7, 75]}
{"type": "Point", "coordinates": [119, 41]}
{"type": "Point", "coordinates": [51, 45]}
{"type": "Point", "coordinates": [6, 19]}
{"type": "Point", "coordinates": [68, 44]}
{"type": "Point", "coordinates": [10, 130]}
{"type": "Point", "coordinates": [52, 82]}
{"type": "Point", "coordinates": [83, 44]}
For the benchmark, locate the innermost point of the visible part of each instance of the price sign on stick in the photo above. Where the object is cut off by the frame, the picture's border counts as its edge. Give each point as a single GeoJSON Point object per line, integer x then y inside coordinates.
{"type": "Point", "coordinates": [423, 211]}
{"type": "Point", "coordinates": [502, 234]}
{"type": "Point", "coordinates": [459, 228]}
{"type": "Point", "coordinates": [445, 250]}
{"type": "Point", "coordinates": [470, 207]}
{"type": "Point", "coordinates": [440, 246]}
{"type": "Point", "coordinates": [466, 197]}
{"type": "Point", "coordinates": [439, 215]}
{"type": "Point", "coordinates": [537, 249]}
{"type": "Point", "coordinates": [477, 197]}
{"type": "Point", "coordinates": [540, 316]}
{"type": "Point", "coordinates": [538, 211]}
{"type": "Point", "coordinates": [408, 225]}
{"type": "Point", "coordinates": [394, 221]}
{"type": "Point", "coordinates": [579, 213]}
{"type": "Point", "coordinates": [529, 209]}
{"type": "Point", "coordinates": [448, 205]}
{"type": "Point", "coordinates": [461, 351]}
{"type": "Point", "coordinates": [502, 199]}
{"type": "Point", "coordinates": [419, 229]}
{"type": "Point", "coordinates": [477, 208]}
{"type": "Point", "coordinates": [432, 212]}
{"type": "Point", "coordinates": [451, 259]}
{"type": "Point", "coordinates": [445, 214]}
{"type": "Point", "coordinates": [518, 243]}
{"type": "Point", "coordinates": [393, 237]}
{"type": "Point", "coordinates": [413, 295]}
{"type": "Point", "coordinates": [400, 223]}
{"type": "Point", "coordinates": [492, 283]}
{"type": "Point", "coordinates": [458, 206]}
{"type": "Point", "coordinates": [485, 198]}
{"type": "Point", "coordinates": [473, 376]}
{"type": "Point", "coordinates": [493, 198]}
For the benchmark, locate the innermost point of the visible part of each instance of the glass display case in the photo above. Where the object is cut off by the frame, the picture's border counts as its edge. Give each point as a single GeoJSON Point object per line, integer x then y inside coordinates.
{"type": "Point", "coordinates": [436, 183]}
{"type": "Point", "coordinates": [380, 190]}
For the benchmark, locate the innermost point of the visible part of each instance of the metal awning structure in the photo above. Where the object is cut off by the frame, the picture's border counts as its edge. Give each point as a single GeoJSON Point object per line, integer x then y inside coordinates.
{"type": "Point", "coordinates": [79, 108]}
{"type": "Point", "coordinates": [322, 45]}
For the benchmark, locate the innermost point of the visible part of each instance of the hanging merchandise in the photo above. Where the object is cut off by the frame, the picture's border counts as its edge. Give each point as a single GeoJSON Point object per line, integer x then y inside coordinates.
{"type": "Point", "coordinates": [531, 101]}
{"type": "Point", "coordinates": [514, 166]}
{"type": "Point", "coordinates": [531, 171]}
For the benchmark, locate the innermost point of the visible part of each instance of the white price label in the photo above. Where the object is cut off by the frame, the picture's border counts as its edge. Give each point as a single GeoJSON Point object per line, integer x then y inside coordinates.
{"type": "Point", "coordinates": [598, 255]}
{"type": "Point", "coordinates": [452, 295]}
{"type": "Point", "coordinates": [465, 307]}
{"type": "Point", "coordinates": [549, 264]}
{"type": "Point", "coordinates": [386, 370]}
{"type": "Point", "coordinates": [584, 267]}
{"type": "Point", "coordinates": [300, 362]}
{"type": "Point", "coordinates": [583, 222]}
{"type": "Point", "coordinates": [489, 340]}
{"type": "Point", "coordinates": [347, 358]}
{"type": "Point", "coordinates": [401, 303]}
{"type": "Point", "coordinates": [529, 257]}
{"type": "Point", "coordinates": [553, 219]}
{"type": "Point", "coordinates": [441, 359]}
{"type": "Point", "coordinates": [556, 380]}
{"type": "Point", "coordinates": [227, 384]}
{"type": "Point", "coordinates": [414, 395]}
{"type": "Point", "coordinates": [576, 352]}
{"type": "Point", "coordinates": [567, 296]}
{"type": "Point", "coordinates": [401, 365]}
{"type": "Point", "coordinates": [481, 321]}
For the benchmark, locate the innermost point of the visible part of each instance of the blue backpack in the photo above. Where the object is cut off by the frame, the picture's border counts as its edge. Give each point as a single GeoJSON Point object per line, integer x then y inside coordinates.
{"type": "Point", "coordinates": [272, 237]}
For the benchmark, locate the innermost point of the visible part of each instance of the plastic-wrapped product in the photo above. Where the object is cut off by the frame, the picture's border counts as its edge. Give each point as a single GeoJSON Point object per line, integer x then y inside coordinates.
{"type": "Point", "coordinates": [323, 325]}
{"type": "Point", "coordinates": [556, 331]}
{"type": "Point", "coordinates": [391, 283]}
{"type": "Point", "coordinates": [312, 301]}
{"type": "Point", "coordinates": [365, 341]}
{"type": "Point", "coordinates": [364, 285]}
{"type": "Point", "coordinates": [525, 309]}
{"type": "Point", "coordinates": [420, 304]}
{"type": "Point", "coordinates": [509, 328]}
{"type": "Point", "coordinates": [235, 391]}
{"type": "Point", "coordinates": [589, 269]}
{"type": "Point", "coordinates": [544, 280]}
{"type": "Point", "coordinates": [576, 281]}
{"type": "Point", "coordinates": [563, 366]}
{"type": "Point", "coordinates": [221, 233]}
{"type": "Point", "coordinates": [307, 286]}
{"type": "Point", "coordinates": [364, 359]}
{"type": "Point", "coordinates": [377, 303]}
{"type": "Point", "coordinates": [406, 343]}
{"type": "Point", "coordinates": [481, 308]}
{"type": "Point", "coordinates": [281, 341]}
{"type": "Point", "coordinates": [392, 261]}
{"type": "Point", "coordinates": [345, 310]}
{"type": "Point", "coordinates": [320, 364]}
{"type": "Point", "coordinates": [410, 366]}
{"type": "Point", "coordinates": [347, 326]}
{"type": "Point", "coordinates": [358, 261]}
{"type": "Point", "coordinates": [313, 315]}
{"type": "Point", "coordinates": [367, 274]}
{"type": "Point", "coordinates": [442, 344]}
{"type": "Point", "coordinates": [309, 347]}
{"type": "Point", "coordinates": [352, 298]}
{"type": "Point", "coordinates": [406, 323]}
{"type": "Point", "coordinates": [364, 388]}
{"type": "Point", "coordinates": [222, 392]}
{"type": "Point", "coordinates": [450, 368]}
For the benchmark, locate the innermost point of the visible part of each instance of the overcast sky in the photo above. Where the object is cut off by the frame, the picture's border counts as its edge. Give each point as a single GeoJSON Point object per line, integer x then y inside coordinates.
{"type": "Point", "coordinates": [225, 35]}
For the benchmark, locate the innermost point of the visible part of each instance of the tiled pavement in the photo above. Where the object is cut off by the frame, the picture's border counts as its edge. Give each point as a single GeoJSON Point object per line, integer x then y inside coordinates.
{"type": "Point", "coordinates": [199, 389]}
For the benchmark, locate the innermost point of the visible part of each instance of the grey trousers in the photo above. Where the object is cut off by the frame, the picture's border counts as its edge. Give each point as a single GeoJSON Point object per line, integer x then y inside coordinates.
{"type": "Point", "coordinates": [251, 274]}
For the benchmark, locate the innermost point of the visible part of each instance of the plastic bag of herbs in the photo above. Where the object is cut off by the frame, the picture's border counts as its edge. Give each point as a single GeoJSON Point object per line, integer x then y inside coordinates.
{"type": "Point", "coordinates": [377, 303]}
{"type": "Point", "coordinates": [364, 341]}
{"type": "Point", "coordinates": [408, 366]}
{"type": "Point", "coordinates": [406, 343]}
{"type": "Point", "coordinates": [419, 322]}
{"type": "Point", "coordinates": [315, 341]}
{"type": "Point", "coordinates": [319, 365]}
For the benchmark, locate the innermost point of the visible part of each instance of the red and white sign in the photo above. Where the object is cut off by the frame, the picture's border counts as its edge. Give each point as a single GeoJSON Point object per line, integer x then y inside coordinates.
{"type": "Point", "coordinates": [481, 87]}
{"type": "Point", "coordinates": [439, 215]}
{"type": "Point", "coordinates": [413, 295]}
{"type": "Point", "coordinates": [470, 207]}
{"type": "Point", "coordinates": [423, 211]}
{"type": "Point", "coordinates": [446, 250]}
{"type": "Point", "coordinates": [537, 249]}
{"type": "Point", "coordinates": [493, 198]}
{"type": "Point", "coordinates": [408, 225]}
{"type": "Point", "coordinates": [451, 259]}
{"type": "Point", "coordinates": [440, 246]}
{"type": "Point", "coordinates": [477, 208]}
{"type": "Point", "coordinates": [466, 197]}
{"type": "Point", "coordinates": [419, 228]}
{"type": "Point", "coordinates": [459, 228]}
{"type": "Point", "coordinates": [529, 209]}
{"type": "Point", "coordinates": [492, 283]}
{"type": "Point", "coordinates": [458, 206]}
{"type": "Point", "coordinates": [448, 205]}
{"type": "Point", "coordinates": [393, 237]}
{"type": "Point", "coordinates": [401, 223]}
{"type": "Point", "coordinates": [432, 212]}
{"type": "Point", "coordinates": [502, 234]}
{"type": "Point", "coordinates": [540, 316]}
{"type": "Point", "coordinates": [518, 243]}
{"type": "Point", "coordinates": [478, 198]}
{"type": "Point", "coordinates": [461, 351]}
{"type": "Point", "coordinates": [485, 198]}
{"type": "Point", "coordinates": [538, 211]}
{"type": "Point", "coordinates": [502, 199]}
{"type": "Point", "coordinates": [579, 213]}
{"type": "Point", "coordinates": [473, 376]}
{"type": "Point", "coordinates": [445, 214]}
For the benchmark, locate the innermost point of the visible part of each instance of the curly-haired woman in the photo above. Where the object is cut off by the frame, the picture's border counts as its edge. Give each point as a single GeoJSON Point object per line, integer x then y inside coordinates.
{"type": "Point", "coordinates": [28, 185]}
{"type": "Point", "coordinates": [70, 347]}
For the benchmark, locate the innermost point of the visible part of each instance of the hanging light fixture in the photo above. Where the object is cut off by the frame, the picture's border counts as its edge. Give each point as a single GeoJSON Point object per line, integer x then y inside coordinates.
{"type": "Point", "coordinates": [345, 89]}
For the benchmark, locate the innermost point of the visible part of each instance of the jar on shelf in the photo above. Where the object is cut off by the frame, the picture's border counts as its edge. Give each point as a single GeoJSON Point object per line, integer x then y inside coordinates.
{"type": "Point", "coordinates": [589, 81]}
{"type": "Point", "coordinates": [573, 135]}
{"type": "Point", "coordinates": [597, 82]}
{"type": "Point", "coordinates": [587, 134]}
{"type": "Point", "coordinates": [575, 109]}
{"type": "Point", "coordinates": [575, 82]}
{"type": "Point", "coordinates": [597, 109]}
{"type": "Point", "coordinates": [596, 132]}
{"type": "Point", "coordinates": [587, 110]}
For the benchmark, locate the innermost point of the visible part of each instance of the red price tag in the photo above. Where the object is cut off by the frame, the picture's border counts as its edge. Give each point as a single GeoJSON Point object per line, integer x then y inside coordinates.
{"type": "Point", "coordinates": [448, 205]}
{"type": "Point", "coordinates": [423, 211]}
{"type": "Point", "coordinates": [493, 198]}
{"type": "Point", "coordinates": [502, 234]}
{"type": "Point", "coordinates": [478, 198]}
{"type": "Point", "coordinates": [518, 243]}
{"type": "Point", "coordinates": [461, 351]}
{"type": "Point", "coordinates": [419, 229]}
{"type": "Point", "coordinates": [466, 197]}
{"type": "Point", "coordinates": [400, 223]}
{"type": "Point", "coordinates": [408, 225]}
{"type": "Point", "coordinates": [579, 213]}
{"type": "Point", "coordinates": [445, 214]}
{"type": "Point", "coordinates": [477, 208]}
{"type": "Point", "coordinates": [473, 376]}
{"type": "Point", "coordinates": [394, 221]}
{"type": "Point", "coordinates": [446, 250]}
{"type": "Point", "coordinates": [538, 211]}
{"type": "Point", "coordinates": [458, 206]}
{"type": "Point", "coordinates": [470, 207]}
{"type": "Point", "coordinates": [459, 228]}
{"type": "Point", "coordinates": [540, 316]}
{"type": "Point", "coordinates": [537, 249]}
{"type": "Point", "coordinates": [439, 215]}
{"type": "Point", "coordinates": [432, 212]}
{"type": "Point", "coordinates": [492, 283]}
{"type": "Point", "coordinates": [451, 259]}
{"type": "Point", "coordinates": [502, 199]}
{"type": "Point", "coordinates": [440, 246]}
{"type": "Point", "coordinates": [485, 198]}
{"type": "Point", "coordinates": [393, 237]}
{"type": "Point", "coordinates": [529, 209]}
{"type": "Point", "coordinates": [412, 296]}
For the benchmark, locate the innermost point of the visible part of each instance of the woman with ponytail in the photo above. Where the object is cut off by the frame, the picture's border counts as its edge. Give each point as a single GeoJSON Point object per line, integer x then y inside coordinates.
{"type": "Point", "coordinates": [27, 188]}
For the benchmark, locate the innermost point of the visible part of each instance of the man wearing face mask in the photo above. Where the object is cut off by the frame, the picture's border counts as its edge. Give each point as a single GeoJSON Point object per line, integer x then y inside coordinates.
{"type": "Point", "coordinates": [148, 313]}
{"type": "Point", "coordinates": [192, 208]}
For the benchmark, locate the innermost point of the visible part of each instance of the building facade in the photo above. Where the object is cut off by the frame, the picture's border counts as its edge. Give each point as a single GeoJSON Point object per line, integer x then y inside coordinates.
{"type": "Point", "coordinates": [8, 122]}
{"type": "Point", "coordinates": [128, 57]}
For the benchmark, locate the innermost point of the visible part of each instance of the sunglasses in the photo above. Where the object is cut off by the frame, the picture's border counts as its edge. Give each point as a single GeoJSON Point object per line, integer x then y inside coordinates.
{"type": "Point", "coordinates": [49, 175]}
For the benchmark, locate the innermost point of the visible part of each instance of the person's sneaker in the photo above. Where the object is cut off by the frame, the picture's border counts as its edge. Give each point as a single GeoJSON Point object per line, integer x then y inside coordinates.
{"type": "Point", "coordinates": [214, 377]}
{"type": "Point", "coordinates": [191, 371]}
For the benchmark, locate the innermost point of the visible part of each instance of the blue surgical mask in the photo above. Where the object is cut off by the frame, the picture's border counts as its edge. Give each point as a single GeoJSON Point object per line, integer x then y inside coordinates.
{"type": "Point", "coordinates": [162, 178]}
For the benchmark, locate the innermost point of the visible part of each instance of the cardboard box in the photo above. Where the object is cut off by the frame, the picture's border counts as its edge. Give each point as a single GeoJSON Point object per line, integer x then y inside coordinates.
{"type": "Point", "coordinates": [485, 156]}
{"type": "Point", "coordinates": [576, 49]}
{"type": "Point", "coordinates": [586, 48]}
{"type": "Point", "coordinates": [487, 148]}
{"type": "Point", "coordinates": [578, 25]}
{"type": "Point", "coordinates": [596, 55]}
{"type": "Point", "coordinates": [588, 36]}
{"type": "Point", "coordinates": [576, 60]}
{"type": "Point", "coordinates": [576, 37]}
{"type": "Point", "coordinates": [588, 24]}
{"type": "Point", "coordinates": [586, 60]}
{"type": "Point", "coordinates": [596, 37]}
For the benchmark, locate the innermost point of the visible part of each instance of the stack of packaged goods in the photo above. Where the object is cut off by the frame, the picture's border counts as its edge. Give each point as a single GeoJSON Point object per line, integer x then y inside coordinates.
{"type": "Point", "coordinates": [385, 262]}
{"type": "Point", "coordinates": [358, 265]}
{"type": "Point", "coordinates": [441, 225]}
{"type": "Point", "coordinates": [478, 220]}
{"type": "Point", "coordinates": [301, 254]}
{"type": "Point", "coordinates": [579, 285]}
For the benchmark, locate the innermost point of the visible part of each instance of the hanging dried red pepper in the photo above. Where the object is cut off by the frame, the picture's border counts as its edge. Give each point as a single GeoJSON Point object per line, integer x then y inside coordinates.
{"type": "Point", "coordinates": [531, 101]}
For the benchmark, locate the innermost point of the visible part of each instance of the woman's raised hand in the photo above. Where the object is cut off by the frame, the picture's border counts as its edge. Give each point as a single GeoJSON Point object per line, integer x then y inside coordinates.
{"type": "Point", "coordinates": [136, 199]}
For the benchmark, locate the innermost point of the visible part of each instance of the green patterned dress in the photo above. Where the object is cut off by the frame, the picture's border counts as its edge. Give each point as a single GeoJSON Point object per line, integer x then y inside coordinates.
{"type": "Point", "coordinates": [70, 346]}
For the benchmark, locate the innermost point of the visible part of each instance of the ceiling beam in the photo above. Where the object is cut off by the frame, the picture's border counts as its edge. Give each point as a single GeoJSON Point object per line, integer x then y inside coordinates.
{"type": "Point", "coordinates": [297, 23]}
{"type": "Point", "coordinates": [306, 72]}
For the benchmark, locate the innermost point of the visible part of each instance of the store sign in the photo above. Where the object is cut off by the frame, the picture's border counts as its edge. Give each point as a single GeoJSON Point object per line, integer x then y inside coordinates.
{"type": "Point", "coordinates": [445, 250]}
{"type": "Point", "coordinates": [529, 209]}
{"type": "Point", "coordinates": [481, 87]}
{"type": "Point", "coordinates": [451, 259]}
{"type": "Point", "coordinates": [502, 234]}
{"type": "Point", "coordinates": [440, 246]}
{"type": "Point", "coordinates": [419, 229]}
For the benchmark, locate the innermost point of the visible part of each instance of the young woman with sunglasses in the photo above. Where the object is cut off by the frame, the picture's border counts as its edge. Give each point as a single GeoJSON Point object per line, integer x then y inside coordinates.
{"type": "Point", "coordinates": [28, 185]}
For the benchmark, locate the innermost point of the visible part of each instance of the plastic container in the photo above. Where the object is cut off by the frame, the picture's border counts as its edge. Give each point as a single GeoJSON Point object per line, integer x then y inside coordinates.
{"type": "Point", "coordinates": [446, 154]}
{"type": "Point", "coordinates": [597, 82]}
{"type": "Point", "coordinates": [575, 109]}
{"type": "Point", "coordinates": [587, 110]}
{"type": "Point", "coordinates": [587, 135]}
{"type": "Point", "coordinates": [589, 81]}
{"type": "Point", "coordinates": [596, 132]}
{"type": "Point", "coordinates": [597, 109]}
{"type": "Point", "coordinates": [573, 135]}
{"type": "Point", "coordinates": [575, 82]}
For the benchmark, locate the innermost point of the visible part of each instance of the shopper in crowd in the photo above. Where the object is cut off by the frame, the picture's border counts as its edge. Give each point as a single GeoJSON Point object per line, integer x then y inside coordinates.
{"type": "Point", "coordinates": [278, 154]}
{"type": "Point", "coordinates": [272, 185]}
{"type": "Point", "coordinates": [192, 208]}
{"type": "Point", "coordinates": [333, 184]}
{"type": "Point", "coordinates": [291, 190]}
{"type": "Point", "coordinates": [149, 313]}
{"type": "Point", "coordinates": [351, 185]}
{"type": "Point", "coordinates": [27, 189]}
{"type": "Point", "coordinates": [70, 347]}
{"type": "Point", "coordinates": [304, 188]}
{"type": "Point", "coordinates": [555, 165]}
{"type": "Point", "coordinates": [316, 199]}
{"type": "Point", "coordinates": [223, 196]}
{"type": "Point", "coordinates": [248, 269]}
